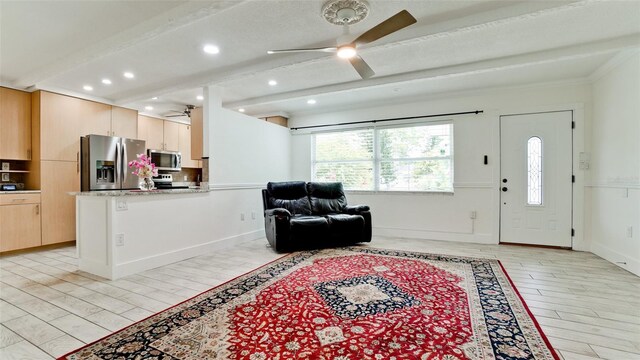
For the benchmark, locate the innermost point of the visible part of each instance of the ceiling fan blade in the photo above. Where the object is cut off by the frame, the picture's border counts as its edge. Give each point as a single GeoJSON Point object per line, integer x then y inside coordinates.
{"type": "Point", "coordinates": [361, 67]}
{"type": "Point", "coordinates": [176, 115]}
{"type": "Point", "coordinates": [391, 25]}
{"type": "Point", "coordinates": [321, 49]}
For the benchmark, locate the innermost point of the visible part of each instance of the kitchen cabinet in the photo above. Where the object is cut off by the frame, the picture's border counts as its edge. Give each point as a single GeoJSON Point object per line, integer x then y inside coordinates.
{"type": "Point", "coordinates": [15, 124]}
{"type": "Point", "coordinates": [185, 147]}
{"type": "Point", "coordinates": [19, 221]}
{"type": "Point", "coordinates": [151, 130]}
{"type": "Point", "coordinates": [196, 133]}
{"type": "Point", "coordinates": [124, 122]}
{"type": "Point", "coordinates": [58, 207]}
{"type": "Point", "coordinates": [171, 136]}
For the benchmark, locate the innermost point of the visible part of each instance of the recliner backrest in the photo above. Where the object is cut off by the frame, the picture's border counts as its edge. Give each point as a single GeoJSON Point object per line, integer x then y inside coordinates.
{"type": "Point", "coordinates": [291, 195]}
{"type": "Point", "coordinates": [326, 198]}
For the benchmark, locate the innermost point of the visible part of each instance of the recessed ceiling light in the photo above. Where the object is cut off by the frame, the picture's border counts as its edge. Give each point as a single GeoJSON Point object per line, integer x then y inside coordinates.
{"type": "Point", "coordinates": [106, 81]}
{"type": "Point", "coordinates": [149, 108]}
{"type": "Point", "coordinates": [128, 75]}
{"type": "Point", "coordinates": [200, 97]}
{"type": "Point", "coordinates": [241, 110]}
{"type": "Point", "coordinates": [311, 101]}
{"type": "Point", "coordinates": [273, 82]}
{"type": "Point", "coordinates": [211, 49]}
{"type": "Point", "coordinates": [88, 87]}
{"type": "Point", "coordinates": [154, 98]}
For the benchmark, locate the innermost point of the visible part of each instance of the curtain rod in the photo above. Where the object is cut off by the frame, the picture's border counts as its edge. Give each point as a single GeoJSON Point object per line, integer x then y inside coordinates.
{"type": "Point", "coordinates": [391, 119]}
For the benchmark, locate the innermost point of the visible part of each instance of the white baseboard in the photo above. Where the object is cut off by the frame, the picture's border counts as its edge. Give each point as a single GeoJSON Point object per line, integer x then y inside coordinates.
{"type": "Point", "coordinates": [630, 264]}
{"type": "Point", "coordinates": [157, 260]}
{"type": "Point", "coordinates": [434, 235]}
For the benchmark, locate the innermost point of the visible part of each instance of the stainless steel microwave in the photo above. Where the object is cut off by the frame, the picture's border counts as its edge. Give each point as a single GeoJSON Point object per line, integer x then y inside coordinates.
{"type": "Point", "coordinates": [166, 160]}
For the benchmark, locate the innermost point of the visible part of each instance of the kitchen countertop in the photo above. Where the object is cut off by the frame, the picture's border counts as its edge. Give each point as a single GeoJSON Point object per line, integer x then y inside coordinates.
{"type": "Point", "coordinates": [141, 193]}
{"type": "Point", "coordinates": [21, 192]}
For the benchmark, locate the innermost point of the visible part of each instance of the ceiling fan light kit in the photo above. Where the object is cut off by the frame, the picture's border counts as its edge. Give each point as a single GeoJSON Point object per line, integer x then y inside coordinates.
{"type": "Point", "coordinates": [349, 12]}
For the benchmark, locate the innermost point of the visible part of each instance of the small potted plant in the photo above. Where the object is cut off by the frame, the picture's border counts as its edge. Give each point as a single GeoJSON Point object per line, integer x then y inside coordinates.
{"type": "Point", "coordinates": [144, 169]}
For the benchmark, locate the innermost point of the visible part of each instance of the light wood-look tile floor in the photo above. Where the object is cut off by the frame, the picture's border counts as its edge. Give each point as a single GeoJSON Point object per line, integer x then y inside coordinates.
{"type": "Point", "coordinates": [588, 307]}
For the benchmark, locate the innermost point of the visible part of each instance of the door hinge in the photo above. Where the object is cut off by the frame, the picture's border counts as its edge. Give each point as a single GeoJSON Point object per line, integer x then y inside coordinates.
{"type": "Point", "coordinates": [573, 124]}
{"type": "Point", "coordinates": [573, 232]}
{"type": "Point", "coordinates": [573, 178]}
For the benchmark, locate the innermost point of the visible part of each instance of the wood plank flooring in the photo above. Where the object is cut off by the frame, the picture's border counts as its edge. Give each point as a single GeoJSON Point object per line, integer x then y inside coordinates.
{"type": "Point", "coordinates": [588, 308]}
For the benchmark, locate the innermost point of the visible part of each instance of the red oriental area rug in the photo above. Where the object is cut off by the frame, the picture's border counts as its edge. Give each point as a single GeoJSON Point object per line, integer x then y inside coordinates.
{"type": "Point", "coordinates": [343, 304]}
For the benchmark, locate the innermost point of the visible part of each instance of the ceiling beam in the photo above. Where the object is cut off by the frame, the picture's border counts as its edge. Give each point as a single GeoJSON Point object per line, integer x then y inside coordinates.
{"type": "Point", "coordinates": [509, 62]}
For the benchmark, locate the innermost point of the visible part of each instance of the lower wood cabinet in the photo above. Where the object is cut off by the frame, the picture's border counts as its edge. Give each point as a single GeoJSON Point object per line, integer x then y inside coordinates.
{"type": "Point", "coordinates": [58, 207]}
{"type": "Point", "coordinates": [19, 221]}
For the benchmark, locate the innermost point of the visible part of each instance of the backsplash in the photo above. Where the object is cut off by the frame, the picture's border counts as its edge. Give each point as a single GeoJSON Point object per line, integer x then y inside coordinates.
{"type": "Point", "coordinates": [190, 173]}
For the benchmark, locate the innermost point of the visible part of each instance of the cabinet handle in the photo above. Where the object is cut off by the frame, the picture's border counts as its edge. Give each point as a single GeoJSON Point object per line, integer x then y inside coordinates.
{"type": "Point", "coordinates": [78, 161]}
{"type": "Point", "coordinates": [37, 209]}
{"type": "Point", "coordinates": [21, 199]}
{"type": "Point", "coordinates": [29, 154]}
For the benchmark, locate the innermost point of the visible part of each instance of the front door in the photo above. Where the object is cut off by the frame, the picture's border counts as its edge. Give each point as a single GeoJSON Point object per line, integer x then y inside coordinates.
{"type": "Point", "coordinates": [536, 178]}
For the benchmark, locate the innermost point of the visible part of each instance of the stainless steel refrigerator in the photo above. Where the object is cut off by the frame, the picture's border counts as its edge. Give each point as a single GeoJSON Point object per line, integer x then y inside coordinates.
{"type": "Point", "coordinates": [105, 161]}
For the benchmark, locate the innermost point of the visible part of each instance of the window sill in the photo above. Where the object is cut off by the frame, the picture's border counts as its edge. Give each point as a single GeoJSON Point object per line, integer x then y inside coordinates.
{"type": "Point", "coordinates": [367, 192]}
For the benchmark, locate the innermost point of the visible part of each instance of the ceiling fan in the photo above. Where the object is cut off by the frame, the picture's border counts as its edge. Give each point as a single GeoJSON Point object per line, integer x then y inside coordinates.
{"type": "Point", "coordinates": [185, 112]}
{"type": "Point", "coordinates": [349, 12]}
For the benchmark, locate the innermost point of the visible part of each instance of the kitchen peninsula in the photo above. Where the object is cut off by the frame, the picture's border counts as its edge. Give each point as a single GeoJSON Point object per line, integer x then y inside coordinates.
{"type": "Point", "coordinates": [124, 232]}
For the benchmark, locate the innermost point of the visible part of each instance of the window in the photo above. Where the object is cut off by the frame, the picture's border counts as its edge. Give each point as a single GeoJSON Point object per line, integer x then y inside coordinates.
{"type": "Point", "coordinates": [409, 158]}
{"type": "Point", "coordinates": [534, 171]}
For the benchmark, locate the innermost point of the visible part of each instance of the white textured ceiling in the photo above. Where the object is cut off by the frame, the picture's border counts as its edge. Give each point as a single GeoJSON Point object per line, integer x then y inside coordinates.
{"type": "Point", "coordinates": [456, 45]}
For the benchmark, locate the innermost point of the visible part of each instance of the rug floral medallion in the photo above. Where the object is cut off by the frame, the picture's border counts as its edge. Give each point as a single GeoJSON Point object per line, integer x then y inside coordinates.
{"type": "Point", "coordinates": [343, 304]}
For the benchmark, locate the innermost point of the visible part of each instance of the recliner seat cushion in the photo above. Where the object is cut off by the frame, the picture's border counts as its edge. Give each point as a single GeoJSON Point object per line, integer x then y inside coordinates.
{"type": "Point", "coordinates": [290, 195]}
{"type": "Point", "coordinates": [345, 224]}
{"type": "Point", "coordinates": [326, 198]}
{"type": "Point", "coordinates": [309, 228]}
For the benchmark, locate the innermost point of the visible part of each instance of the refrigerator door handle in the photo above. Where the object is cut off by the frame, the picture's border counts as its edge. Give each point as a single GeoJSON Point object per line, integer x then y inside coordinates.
{"type": "Point", "coordinates": [124, 163]}
{"type": "Point", "coordinates": [117, 174]}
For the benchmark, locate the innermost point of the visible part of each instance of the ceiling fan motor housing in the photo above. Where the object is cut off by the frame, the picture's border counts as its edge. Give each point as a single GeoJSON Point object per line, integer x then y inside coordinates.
{"type": "Point", "coordinates": [345, 12]}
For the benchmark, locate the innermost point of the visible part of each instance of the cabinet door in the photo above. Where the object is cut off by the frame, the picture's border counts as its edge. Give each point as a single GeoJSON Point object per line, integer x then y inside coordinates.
{"type": "Point", "coordinates": [124, 122]}
{"type": "Point", "coordinates": [185, 147]}
{"type": "Point", "coordinates": [196, 133]}
{"type": "Point", "coordinates": [58, 207]}
{"type": "Point", "coordinates": [15, 124]}
{"type": "Point", "coordinates": [19, 226]}
{"type": "Point", "coordinates": [172, 136]}
{"type": "Point", "coordinates": [152, 131]}
{"type": "Point", "coordinates": [59, 136]}
{"type": "Point", "coordinates": [93, 118]}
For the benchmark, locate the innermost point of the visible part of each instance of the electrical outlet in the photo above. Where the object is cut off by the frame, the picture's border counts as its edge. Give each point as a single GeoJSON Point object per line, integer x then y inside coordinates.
{"type": "Point", "coordinates": [241, 216]}
{"type": "Point", "coordinates": [121, 205]}
{"type": "Point", "coordinates": [253, 215]}
{"type": "Point", "coordinates": [119, 239]}
{"type": "Point", "coordinates": [473, 214]}
{"type": "Point", "coordinates": [184, 178]}
{"type": "Point", "coordinates": [630, 231]}
{"type": "Point", "coordinates": [5, 177]}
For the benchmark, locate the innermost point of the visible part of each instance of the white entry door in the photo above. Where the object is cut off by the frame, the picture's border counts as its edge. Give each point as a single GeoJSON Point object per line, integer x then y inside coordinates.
{"type": "Point", "coordinates": [536, 178]}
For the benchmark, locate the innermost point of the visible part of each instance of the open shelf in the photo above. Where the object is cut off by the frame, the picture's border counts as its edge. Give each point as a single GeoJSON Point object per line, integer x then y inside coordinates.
{"type": "Point", "coordinates": [14, 171]}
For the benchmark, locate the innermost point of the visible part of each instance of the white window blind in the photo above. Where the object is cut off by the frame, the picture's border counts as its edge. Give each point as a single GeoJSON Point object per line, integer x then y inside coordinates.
{"type": "Point", "coordinates": [409, 158]}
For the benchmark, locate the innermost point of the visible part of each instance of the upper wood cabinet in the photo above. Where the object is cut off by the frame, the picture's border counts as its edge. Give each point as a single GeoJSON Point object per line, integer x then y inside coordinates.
{"type": "Point", "coordinates": [196, 133]}
{"type": "Point", "coordinates": [172, 136]}
{"type": "Point", "coordinates": [59, 121]}
{"type": "Point", "coordinates": [124, 122]}
{"type": "Point", "coordinates": [151, 130]}
{"type": "Point", "coordinates": [15, 124]}
{"type": "Point", "coordinates": [185, 147]}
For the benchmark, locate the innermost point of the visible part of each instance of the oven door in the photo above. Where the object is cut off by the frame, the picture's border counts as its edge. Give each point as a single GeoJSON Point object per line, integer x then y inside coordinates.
{"type": "Point", "coordinates": [166, 160]}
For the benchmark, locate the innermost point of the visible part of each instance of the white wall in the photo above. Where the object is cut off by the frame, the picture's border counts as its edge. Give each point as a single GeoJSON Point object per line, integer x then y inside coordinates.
{"type": "Point", "coordinates": [247, 150]}
{"type": "Point", "coordinates": [615, 164]}
{"type": "Point", "coordinates": [446, 217]}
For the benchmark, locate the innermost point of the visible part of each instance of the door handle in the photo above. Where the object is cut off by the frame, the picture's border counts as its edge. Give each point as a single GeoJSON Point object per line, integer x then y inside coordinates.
{"type": "Point", "coordinates": [504, 189]}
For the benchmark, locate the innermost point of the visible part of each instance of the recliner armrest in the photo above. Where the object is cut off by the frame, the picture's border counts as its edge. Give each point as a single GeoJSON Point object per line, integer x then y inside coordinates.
{"type": "Point", "coordinates": [356, 209]}
{"type": "Point", "coordinates": [278, 212]}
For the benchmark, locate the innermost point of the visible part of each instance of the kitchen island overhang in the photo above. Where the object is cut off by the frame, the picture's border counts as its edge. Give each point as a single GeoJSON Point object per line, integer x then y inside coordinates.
{"type": "Point", "coordinates": [120, 233]}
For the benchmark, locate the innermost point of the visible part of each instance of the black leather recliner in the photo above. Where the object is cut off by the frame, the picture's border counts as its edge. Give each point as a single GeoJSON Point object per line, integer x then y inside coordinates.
{"type": "Point", "coordinates": [301, 215]}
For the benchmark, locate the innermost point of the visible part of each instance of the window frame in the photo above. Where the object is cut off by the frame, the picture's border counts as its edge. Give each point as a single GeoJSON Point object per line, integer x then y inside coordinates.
{"type": "Point", "coordinates": [377, 159]}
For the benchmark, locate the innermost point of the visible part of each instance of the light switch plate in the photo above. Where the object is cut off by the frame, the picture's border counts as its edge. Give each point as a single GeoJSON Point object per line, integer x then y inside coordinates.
{"type": "Point", "coordinates": [121, 205]}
